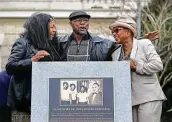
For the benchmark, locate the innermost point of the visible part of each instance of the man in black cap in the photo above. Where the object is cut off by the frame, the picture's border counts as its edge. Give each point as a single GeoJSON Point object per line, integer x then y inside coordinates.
{"type": "Point", "coordinates": [82, 45]}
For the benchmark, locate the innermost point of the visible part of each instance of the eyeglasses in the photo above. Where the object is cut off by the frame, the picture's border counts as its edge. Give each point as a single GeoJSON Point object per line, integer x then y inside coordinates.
{"type": "Point", "coordinates": [79, 20]}
{"type": "Point", "coordinates": [116, 30]}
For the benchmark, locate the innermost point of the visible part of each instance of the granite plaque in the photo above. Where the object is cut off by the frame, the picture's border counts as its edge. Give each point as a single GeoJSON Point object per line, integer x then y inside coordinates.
{"type": "Point", "coordinates": [81, 100]}
{"type": "Point", "coordinates": [81, 92]}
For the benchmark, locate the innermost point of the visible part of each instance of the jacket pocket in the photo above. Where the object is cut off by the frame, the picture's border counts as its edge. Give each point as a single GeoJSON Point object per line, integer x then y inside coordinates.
{"type": "Point", "coordinates": [148, 80]}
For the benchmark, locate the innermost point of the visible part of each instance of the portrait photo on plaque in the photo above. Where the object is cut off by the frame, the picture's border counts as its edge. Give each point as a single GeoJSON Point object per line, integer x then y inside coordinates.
{"type": "Point", "coordinates": [81, 92]}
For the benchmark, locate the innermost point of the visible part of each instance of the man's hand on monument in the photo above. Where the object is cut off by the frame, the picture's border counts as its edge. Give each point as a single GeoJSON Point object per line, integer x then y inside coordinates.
{"type": "Point", "coordinates": [152, 35]}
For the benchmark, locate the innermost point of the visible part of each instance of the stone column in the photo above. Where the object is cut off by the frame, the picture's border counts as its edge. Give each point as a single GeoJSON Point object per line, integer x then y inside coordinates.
{"type": "Point", "coordinates": [1, 41]}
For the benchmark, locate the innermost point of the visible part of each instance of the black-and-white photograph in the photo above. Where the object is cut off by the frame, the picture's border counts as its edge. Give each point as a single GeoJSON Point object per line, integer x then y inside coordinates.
{"type": "Point", "coordinates": [81, 91]}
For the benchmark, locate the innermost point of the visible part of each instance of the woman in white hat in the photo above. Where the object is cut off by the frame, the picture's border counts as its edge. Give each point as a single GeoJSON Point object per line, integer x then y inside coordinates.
{"type": "Point", "coordinates": [147, 95]}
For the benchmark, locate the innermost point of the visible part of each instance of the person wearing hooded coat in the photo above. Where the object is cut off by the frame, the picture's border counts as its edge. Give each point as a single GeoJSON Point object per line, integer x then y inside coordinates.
{"type": "Point", "coordinates": [36, 43]}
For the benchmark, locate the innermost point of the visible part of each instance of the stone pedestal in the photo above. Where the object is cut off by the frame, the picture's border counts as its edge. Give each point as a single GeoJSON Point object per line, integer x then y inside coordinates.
{"type": "Point", "coordinates": [45, 107]}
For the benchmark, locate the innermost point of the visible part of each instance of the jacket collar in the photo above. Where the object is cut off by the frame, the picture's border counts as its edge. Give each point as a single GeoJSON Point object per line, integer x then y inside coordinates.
{"type": "Point", "coordinates": [134, 49]}
{"type": "Point", "coordinates": [67, 38]}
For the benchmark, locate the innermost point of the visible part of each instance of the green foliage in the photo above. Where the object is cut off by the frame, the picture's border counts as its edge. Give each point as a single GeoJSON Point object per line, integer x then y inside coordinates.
{"type": "Point", "coordinates": [158, 16]}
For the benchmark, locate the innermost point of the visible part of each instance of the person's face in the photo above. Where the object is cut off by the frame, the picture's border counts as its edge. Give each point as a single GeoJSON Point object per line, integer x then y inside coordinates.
{"type": "Point", "coordinates": [95, 88]}
{"type": "Point", "coordinates": [65, 86]}
{"type": "Point", "coordinates": [82, 89]}
{"type": "Point", "coordinates": [120, 34]}
{"type": "Point", "coordinates": [52, 29]}
{"type": "Point", "coordinates": [72, 87]}
{"type": "Point", "coordinates": [80, 25]}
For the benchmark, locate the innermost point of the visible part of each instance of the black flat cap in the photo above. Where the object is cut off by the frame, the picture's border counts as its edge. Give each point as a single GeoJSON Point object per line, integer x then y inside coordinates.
{"type": "Point", "coordinates": [77, 14]}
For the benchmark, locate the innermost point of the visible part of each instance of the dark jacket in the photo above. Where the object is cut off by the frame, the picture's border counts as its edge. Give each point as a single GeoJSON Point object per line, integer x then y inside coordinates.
{"type": "Point", "coordinates": [97, 99]}
{"type": "Point", "coordinates": [100, 49]}
{"type": "Point", "coordinates": [19, 65]}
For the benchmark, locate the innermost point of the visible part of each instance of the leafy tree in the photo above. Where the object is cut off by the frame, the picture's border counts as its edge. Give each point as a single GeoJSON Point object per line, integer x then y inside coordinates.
{"type": "Point", "coordinates": [158, 16]}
